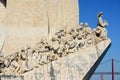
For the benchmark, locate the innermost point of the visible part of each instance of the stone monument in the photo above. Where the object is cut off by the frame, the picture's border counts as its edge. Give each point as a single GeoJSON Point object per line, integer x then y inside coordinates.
{"type": "Point", "coordinates": [72, 52]}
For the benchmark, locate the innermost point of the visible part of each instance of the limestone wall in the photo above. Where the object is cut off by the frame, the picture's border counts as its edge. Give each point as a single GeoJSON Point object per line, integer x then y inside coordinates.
{"type": "Point", "coordinates": [26, 13]}
{"type": "Point", "coordinates": [11, 77]}
{"type": "Point", "coordinates": [41, 13]}
{"type": "Point", "coordinates": [27, 20]}
{"type": "Point", "coordinates": [2, 11]}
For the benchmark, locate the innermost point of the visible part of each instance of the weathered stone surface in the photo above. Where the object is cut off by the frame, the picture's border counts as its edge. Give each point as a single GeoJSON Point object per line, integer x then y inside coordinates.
{"type": "Point", "coordinates": [41, 13]}
{"type": "Point", "coordinates": [19, 38]}
{"type": "Point", "coordinates": [2, 11]}
{"type": "Point", "coordinates": [11, 77]}
{"type": "Point", "coordinates": [25, 18]}
{"type": "Point", "coordinates": [67, 60]}
{"type": "Point", "coordinates": [71, 67]}
{"type": "Point", "coordinates": [71, 54]}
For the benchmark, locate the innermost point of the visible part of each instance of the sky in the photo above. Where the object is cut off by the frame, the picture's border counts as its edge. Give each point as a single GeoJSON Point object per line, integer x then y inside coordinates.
{"type": "Point", "coordinates": [89, 9]}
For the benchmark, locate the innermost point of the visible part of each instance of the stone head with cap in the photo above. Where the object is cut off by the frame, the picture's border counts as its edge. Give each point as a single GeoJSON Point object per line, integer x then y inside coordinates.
{"type": "Point", "coordinates": [100, 14]}
{"type": "Point", "coordinates": [86, 25]}
{"type": "Point", "coordinates": [81, 25]}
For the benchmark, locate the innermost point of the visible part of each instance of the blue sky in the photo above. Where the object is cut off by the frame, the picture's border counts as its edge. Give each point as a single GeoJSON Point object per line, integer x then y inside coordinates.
{"type": "Point", "coordinates": [111, 12]}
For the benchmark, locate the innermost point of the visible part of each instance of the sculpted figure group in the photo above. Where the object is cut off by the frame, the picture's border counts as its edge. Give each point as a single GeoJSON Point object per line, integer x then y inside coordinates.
{"type": "Point", "coordinates": [64, 42]}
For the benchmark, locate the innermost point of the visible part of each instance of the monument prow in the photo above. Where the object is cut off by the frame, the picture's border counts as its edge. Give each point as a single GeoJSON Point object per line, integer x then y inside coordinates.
{"type": "Point", "coordinates": [72, 53]}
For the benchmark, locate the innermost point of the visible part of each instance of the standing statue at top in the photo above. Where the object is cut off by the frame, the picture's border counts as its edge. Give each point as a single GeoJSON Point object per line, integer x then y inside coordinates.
{"type": "Point", "coordinates": [100, 31]}
{"type": "Point", "coordinates": [101, 22]}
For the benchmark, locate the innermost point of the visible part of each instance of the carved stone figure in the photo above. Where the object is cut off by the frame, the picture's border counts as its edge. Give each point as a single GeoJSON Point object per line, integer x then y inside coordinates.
{"type": "Point", "coordinates": [29, 65]}
{"type": "Point", "coordinates": [79, 42]}
{"type": "Point", "coordinates": [100, 31]}
{"type": "Point", "coordinates": [44, 59]}
{"type": "Point", "coordinates": [11, 64]}
{"type": "Point", "coordinates": [70, 31]}
{"type": "Point", "coordinates": [43, 45]}
{"type": "Point", "coordinates": [70, 46]}
{"type": "Point", "coordinates": [61, 33]}
{"type": "Point", "coordinates": [86, 30]}
{"type": "Point", "coordinates": [101, 22]}
{"type": "Point", "coordinates": [54, 38]}
{"type": "Point", "coordinates": [74, 35]}
{"type": "Point", "coordinates": [15, 66]}
{"type": "Point", "coordinates": [36, 58]}
{"type": "Point", "coordinates": [23, 54]}
{"type": "Point", "coordinates": [65, 41]}
{"type": "Point", "coordinates": [22, 60]}
{"type": "Point", "coordinates": [55, 46]}
{"type": "Point", "coordinates": [61, 50]}
{"type": "Point", "coordinates": [80, 27]}
{"type": "Point", "coordinates": [2, 65]}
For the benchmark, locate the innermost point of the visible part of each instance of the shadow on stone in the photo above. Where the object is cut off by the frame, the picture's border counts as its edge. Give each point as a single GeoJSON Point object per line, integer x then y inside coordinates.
{"type": "Point", "coordinates": [52, 75]}
{"type": "Point", "coordinates": [92, 70]}
{"type": "Point", "coordinates": [4, 2]}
